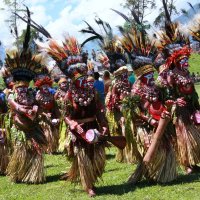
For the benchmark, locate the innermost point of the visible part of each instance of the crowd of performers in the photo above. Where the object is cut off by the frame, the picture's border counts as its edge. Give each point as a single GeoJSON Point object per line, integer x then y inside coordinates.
{"type": "Point", "coordinates": [154, 124]}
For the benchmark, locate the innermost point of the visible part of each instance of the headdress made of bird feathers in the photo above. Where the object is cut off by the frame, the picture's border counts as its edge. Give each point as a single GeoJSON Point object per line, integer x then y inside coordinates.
{"type": "Point", "coordinates": [173, 44]}
{"type": "Point", "coordinates": [171, 38]}
{"type": "Point", "coordinates": [66, 54]}
{"type": "Point", "coordinates": [21, 63]}
{"type": "Point", "coordinates": [141, 51]}
{"type": "Point", "coordinates": [108, 42]}
{"type": "Point", "coordinates": [194, 28]}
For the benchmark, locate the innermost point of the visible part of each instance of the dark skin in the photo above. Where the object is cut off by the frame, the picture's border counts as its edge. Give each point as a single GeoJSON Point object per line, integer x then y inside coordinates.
{"type": "Point", "coordinates": [25, 115]}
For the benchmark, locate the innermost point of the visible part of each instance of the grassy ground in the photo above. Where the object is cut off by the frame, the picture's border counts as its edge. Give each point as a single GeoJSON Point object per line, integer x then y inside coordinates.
{"type": "Point", "coordinates": [198, 89]}
{"type": "Point", "coordinates": [112, 187]}
{"type": "Point", "coordinates": [194, 62]}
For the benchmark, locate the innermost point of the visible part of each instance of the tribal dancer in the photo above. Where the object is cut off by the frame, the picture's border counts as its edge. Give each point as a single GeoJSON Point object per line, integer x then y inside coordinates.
{"type": "Point", "coordinates": [59, 96]}
{"type": "Point", "coordinates": [26, 163]}
{"type": "Point", "coordinates": [84, 113]}
{"type": "Point", "coordinates": [115, 60]}
{"type": "Point", "coordinates": [179, 84]}
{"type": "Point", "coordinates": [4, 143]}
{"type": "Point", "coordinates": [151, 114]}
{"type": "Point", "coordinates": [48, 112]}
{"type": "Point", "coordinates": [119, 90]}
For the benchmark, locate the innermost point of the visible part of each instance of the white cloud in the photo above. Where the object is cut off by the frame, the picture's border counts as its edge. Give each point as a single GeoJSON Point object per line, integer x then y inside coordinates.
{"type": "Point", "coordinates": [70, 18]}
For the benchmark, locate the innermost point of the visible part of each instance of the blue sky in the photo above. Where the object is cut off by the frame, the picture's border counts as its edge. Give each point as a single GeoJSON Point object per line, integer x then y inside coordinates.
{"type": "Point", "coordinates": [60, 17]}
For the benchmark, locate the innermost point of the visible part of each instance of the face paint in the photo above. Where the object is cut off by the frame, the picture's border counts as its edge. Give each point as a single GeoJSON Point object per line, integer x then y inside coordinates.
{"type": "Point", "coordinates": [148, 79]}
{"type": "Point", "coordinates": [183, 64]}
{"type": "Point", "coordinates": [45, 89]}
{"type": "Point", "coordinates": [22, 90]}
{"type": "Point", "coordinates": [124, 75]}
{"type": "Point", "coordinates": [81, 82]}
{"type": "Point", "coordinates": [64, 86]}
{"type": "Point", "coordinates": [90, 84]}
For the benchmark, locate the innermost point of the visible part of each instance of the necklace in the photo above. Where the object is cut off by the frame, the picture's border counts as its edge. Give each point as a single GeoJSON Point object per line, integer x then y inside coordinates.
{"type": "Point", "coordinates": [82, 96]}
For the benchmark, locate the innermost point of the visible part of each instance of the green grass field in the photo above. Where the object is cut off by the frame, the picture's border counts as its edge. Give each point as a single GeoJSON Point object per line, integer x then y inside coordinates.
{"type": "Point", "coordinates": [113, 185]}
{"type": "Point", "coordinates": [194, 62]}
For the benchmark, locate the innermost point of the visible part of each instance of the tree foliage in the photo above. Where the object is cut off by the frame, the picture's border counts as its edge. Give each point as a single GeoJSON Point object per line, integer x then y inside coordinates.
{"type": "Point", "coordinates": [169, 8]}
{"type": "Point", "coordinates": [139, 10]}
{"type": "Point", "coordinates": [14, 6]}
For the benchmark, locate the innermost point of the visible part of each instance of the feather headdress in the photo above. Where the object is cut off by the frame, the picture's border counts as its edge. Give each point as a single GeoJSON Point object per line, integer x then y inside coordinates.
{"type": "Point", "coordinates": [194, 28]}
{"type": "Point", "coordinates": [108, 42]}
{"type": "Point", "coordinates": [173, 44]}
{"type": "Point", "coordinates": [21, 63]}
{"type": "Point", "coordinates": [66, 54]}
{"type": "Point", "coordinates": [141, 51]}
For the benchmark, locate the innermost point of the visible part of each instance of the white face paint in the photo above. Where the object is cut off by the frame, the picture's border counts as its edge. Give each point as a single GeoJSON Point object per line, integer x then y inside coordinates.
{"type": "Point", "coordinates": [184, 63]}
{"type": "Point", "coordinates": [149, 79]}
{"type": "Point", "coordinates": [22, 89]}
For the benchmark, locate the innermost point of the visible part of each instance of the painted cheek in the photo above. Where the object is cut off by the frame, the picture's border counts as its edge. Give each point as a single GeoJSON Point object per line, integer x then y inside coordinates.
{"type": "Point", "coordinates": [144, 80]}
{"type": "Point", "coordinates": [77, 83]}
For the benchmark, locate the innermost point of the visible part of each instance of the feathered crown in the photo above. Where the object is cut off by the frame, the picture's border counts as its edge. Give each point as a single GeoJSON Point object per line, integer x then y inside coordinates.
{"type": "Point", "coordinates": [21, 63]}
{"type": "Point", "coordinates": [68, 55]}
{"type": "Point", "coordinates": [140, 49]}
{"type": "Point", "coordinates": [108, 42]}
{"type": "Point", "coordinates": [173, 44]}
{"type": "Point", "coordinates": [194, 28]}
{"type": "Point", "coordinates": [172, 39]}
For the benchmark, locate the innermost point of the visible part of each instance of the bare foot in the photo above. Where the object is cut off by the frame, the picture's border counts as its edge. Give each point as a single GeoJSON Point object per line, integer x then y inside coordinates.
{"type": "Point", "coordinates": [65, 176]}
{"type": "Point", "coordinates": [91, 193]}
{"type": "Point", "coordinates": [189, 170]}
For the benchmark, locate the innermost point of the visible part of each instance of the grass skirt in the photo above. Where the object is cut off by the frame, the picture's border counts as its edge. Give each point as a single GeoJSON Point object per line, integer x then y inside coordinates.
{"type": "Point", "coordinates": [188, 141]}
{"type": "Point", "coordinates": [62, 137]}
{"type": "Point", "coordinates": [4, 158]}
{"type": "Point", "coordinates": [162, 168]}
{"type": "Point", "coordinates": [26, 165]}
{"type": "Point", "coordinates": [52, 136]}
{"type": "Point", "coordinates": [88, 163]}
{"type": "Point", "coordinates": [127, 155]}
{"type": "Point", "coordinates": [188, 137]}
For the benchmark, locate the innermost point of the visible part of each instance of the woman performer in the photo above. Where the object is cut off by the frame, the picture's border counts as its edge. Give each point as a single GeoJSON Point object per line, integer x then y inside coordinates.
{"type": "Point", "coordinates": [151, 114]}
{"type": "Point", "coordinates": [84, 112]}
{"type": "Point", "coordinates": [48, 112]}
{"type": "Point", "coordinates": [178, 82]}
{"type": "Point", "coordinates": [26, 163]}
{"type": "Point", "coordinates": [59, 96]}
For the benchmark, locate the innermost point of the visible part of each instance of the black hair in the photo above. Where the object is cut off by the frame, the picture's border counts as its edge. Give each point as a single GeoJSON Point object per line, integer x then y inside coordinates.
{"type": "Point", "coordinates": [96, 75]}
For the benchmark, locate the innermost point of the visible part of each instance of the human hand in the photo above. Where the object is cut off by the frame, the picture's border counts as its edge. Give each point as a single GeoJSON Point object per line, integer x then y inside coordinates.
{"type": "Point", "coordinates": [180, 102]}
{"type": "Point", "coordinates": [154, 122]}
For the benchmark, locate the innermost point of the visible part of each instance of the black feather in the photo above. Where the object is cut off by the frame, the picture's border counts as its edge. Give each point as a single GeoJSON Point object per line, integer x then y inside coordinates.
{"type": "Point", "coordinates": [191, 6]}
{"type": "Point", "coordinates": [89, 26]}
{"type": "Point", "coordinates": [121, 14]}
{"type": "Point", "coordinates": [34, 25]}
{"type": "Point", "coordinates": [89, 39]}
{"type": "Point", "coordinates": [28, 34]}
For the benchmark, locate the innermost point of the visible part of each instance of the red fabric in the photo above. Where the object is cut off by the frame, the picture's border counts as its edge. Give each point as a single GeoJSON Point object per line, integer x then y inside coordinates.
{"type": "Point", "coordinates": [156, 110]}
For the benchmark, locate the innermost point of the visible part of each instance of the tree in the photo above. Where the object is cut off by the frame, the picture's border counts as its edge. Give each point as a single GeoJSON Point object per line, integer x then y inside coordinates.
{"type": "Point", "coordinates": [166, 12]}
{"type": "Point", "coordinates": [14, 6]}
{"type": "Point", "coordinates": [139, 10]}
